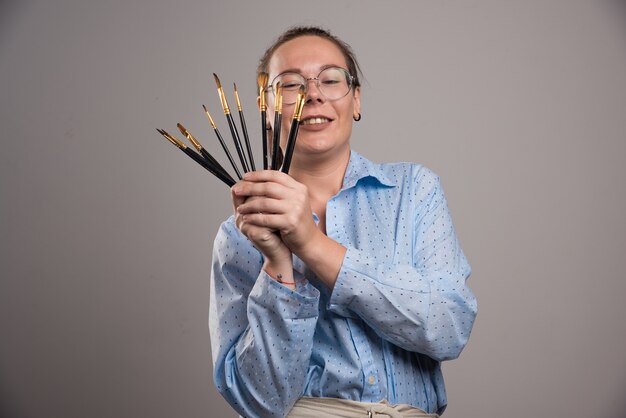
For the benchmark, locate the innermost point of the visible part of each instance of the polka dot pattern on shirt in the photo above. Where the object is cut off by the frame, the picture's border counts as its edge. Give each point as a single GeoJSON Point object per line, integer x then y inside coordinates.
{"type": "Point", "coordinates": [400, 304]}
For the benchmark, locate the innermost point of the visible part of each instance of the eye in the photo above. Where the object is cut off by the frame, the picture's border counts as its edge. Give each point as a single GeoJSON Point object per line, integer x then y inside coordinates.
{"type": "Point", "coordinates": [291, 81]}
{"type": "Point", "coordinates": [291, 86]}
{"type": "Point", "coordinates": [332, 76]}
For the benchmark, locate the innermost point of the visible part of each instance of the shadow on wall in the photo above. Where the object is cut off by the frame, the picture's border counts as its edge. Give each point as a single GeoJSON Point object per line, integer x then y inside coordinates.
{"type": "Point", "coordinates": [10, 10]}
{"type": "Point", "coordinates": [618, 7]}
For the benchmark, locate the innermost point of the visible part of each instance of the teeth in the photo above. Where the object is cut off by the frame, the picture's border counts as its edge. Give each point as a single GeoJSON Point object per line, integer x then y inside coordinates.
{"type": "Point", "coordinates": [313, 121]}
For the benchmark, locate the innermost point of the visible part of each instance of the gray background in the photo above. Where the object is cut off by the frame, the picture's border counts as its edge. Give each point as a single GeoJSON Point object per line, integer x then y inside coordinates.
{"type": "Point", "coordinates": [106, 229]}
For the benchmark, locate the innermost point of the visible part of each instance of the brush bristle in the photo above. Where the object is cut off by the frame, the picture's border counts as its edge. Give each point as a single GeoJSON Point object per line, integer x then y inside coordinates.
{"type": "Point", "coordinates": [217, 81]}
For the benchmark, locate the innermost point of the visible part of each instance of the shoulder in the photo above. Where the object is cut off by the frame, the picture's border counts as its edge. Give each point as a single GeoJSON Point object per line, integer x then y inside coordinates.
{"type": "Point", "coordinates": [412, 178]}
{"type": "Point", "coordinates": [401, 175]}
{"type": "Point", "coordinates": [408, 171]}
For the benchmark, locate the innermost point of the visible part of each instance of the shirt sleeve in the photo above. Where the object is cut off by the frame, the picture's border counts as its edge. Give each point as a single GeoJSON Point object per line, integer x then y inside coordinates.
{"type": "Point", "coordinates": [425, 306]}
{"type": "Point", "coordinates": [261, 331]}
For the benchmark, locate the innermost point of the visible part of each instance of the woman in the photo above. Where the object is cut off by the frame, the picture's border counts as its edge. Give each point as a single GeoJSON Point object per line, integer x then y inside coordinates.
{"type": "Point", "coordinates": [336, 289]}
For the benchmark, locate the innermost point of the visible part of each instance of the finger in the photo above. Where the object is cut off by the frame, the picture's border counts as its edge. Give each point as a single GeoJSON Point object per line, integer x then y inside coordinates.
{"type": "Point", "coordinates": [246, 189]}
{"type": "Point", "coordinates": [239, 222]}
{"type": "Point", "coordinates": [275, 176]}
{"type": "Point", "coordinates": [263, 205]}
{"type": "Point", "coordinates": [238, 215]}
{"type": "Point", "coordinates": [236, 198]}
{"type": "Point", "coordinates": [261, 236]}
{"type": "Point", "coordinates": [274, 222]}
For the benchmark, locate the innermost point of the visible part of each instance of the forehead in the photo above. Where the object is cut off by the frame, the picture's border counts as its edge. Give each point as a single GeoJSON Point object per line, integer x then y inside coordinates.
{"type": "Point", "coordinates": [307, 55]}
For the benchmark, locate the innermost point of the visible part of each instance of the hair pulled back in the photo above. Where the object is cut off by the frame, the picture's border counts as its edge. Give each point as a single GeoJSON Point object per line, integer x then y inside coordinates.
{"type": "Point", "coordinates": [297, 31]}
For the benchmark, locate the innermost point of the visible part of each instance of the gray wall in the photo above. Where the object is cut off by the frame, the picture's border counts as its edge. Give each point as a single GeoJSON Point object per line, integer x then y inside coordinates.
{"type": "Point", "coordinates": [106, 229]}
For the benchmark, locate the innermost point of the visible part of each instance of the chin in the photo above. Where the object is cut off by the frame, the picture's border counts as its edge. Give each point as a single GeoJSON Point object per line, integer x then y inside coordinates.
{"type": "Point", "coordinates": [319, 147]}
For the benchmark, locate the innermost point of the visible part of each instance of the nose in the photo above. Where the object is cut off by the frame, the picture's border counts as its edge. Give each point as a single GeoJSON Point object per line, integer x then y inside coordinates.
{"type": "Point", "coordinates": [313, 92]}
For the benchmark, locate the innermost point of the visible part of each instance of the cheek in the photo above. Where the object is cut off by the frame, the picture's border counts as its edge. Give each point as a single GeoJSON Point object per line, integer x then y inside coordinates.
{"type": "Point", "coordinates": [347, 112]}
{"type": "Point", "coordinates": [284, 131]}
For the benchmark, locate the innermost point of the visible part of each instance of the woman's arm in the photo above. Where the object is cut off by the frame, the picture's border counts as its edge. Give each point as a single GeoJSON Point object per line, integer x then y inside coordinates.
{"type": "Point", "coordinates": [261, 331]}
{"type": "Point", "coordinates": [422, 303]}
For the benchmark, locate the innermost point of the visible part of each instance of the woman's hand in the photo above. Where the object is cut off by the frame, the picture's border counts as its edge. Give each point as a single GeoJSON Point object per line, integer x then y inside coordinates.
{"type": "Point", "coordinates": [278, 262]}
{"type": "Point", "coordinates": [271, 200]}
{"type": "Point", "coordinates": [265, 239]}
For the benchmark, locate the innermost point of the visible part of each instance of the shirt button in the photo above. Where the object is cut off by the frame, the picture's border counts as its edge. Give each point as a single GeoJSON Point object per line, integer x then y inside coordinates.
{"type": "Point", "coordinates": [371, 380]}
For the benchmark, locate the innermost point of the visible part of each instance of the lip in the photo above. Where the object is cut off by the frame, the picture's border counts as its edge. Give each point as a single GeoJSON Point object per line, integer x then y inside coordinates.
{"type": "Point", "coordinates": [315, 126]}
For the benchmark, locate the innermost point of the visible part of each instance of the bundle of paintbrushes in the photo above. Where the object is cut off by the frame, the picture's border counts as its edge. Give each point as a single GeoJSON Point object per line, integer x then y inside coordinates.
{"type": "Point", "coordinates": [244, 150]}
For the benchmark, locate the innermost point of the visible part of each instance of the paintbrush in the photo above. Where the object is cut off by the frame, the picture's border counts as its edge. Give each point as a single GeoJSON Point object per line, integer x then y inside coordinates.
{"type": "Point", "coordinates": [293, 131]}
{"type": "Point", "coordinates": [262, 83]}
{"type": "Point", "coordinates": [222, 143]}
{"type": "Point", "coordinates": [244, 129]}
{"type": "Point", "coordinates": [197, 158]}
{"type": "Point", "coordinates": [231, 124]}
{"type": "Point", "coordinates": [278, 108]}
{"type": "Point", "coordinates": [201, 149]}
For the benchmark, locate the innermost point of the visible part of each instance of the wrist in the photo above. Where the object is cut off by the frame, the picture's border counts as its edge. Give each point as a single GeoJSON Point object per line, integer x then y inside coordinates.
{"type": "Point", "coordinates": [281, 271]}
{"type": "Point", "coordinates": [324, 256]}
{"type": "Point", "coordinates": [315, 248]}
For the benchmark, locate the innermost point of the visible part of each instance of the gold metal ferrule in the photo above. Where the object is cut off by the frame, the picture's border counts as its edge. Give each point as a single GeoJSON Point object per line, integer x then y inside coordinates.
{"type": "Point", "coordinates": [263, 102]}
{"type": "Point", "coordinates": [190, 137]}
{"type": "Point", "coordinates": [237, 98]}
{"type": "Point", "coordinates": [223, 101]}
{"type": "Point", "coordinates": [208, 115]}
{"type": "Point", "coordinates": [177, 142]}
{"type": "Point", "coordinates": [297, 112]}
{"type": "Point", "coordinates": [220, 91]}
{"type": "Point", "coordinates": [262, 81]}
{"type": "Point", "coordinates": [278, 106]}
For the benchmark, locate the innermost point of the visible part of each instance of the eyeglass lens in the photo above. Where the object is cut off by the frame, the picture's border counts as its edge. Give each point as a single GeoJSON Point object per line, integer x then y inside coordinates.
{"type": "Point", "coordinates": [334, 83]}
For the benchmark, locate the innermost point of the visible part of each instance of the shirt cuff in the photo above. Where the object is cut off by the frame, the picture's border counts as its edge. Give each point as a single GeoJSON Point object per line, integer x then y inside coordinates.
{"type": "Point", "coordinates": [285, 302]}
{"type": "Point", "coordinates": [350, 277]}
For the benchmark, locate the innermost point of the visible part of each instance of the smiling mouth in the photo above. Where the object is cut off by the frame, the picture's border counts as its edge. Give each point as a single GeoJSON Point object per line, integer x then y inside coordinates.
{"type": "Point", "coordinates": [314, 121]}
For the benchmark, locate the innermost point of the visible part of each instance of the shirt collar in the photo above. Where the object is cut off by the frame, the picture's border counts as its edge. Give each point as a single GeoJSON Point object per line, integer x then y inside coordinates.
{"type": "Point", "coordinates": [360, 168]}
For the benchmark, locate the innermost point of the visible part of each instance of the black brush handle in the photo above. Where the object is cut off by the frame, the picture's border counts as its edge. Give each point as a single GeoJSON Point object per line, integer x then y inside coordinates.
{"type": "Point", "coordinates": [247, 140]}
{"type": "Point", "coordinates": [198, 158]}
{"type": "Point", "coordinates": [291, 145]}
{"type": "Point", "coordinates": [209, 158]}
{"type": "Point", "coordinates": [237, 141]}
{"type": "Point", "coordinates": [264, 136]}
{"type": "Point", "coordinates": [276, 140]}
{"type": "Point", "coordinates": [228, 154]}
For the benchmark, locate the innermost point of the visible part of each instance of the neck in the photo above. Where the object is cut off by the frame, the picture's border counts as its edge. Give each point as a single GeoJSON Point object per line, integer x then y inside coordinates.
{"type": "Point", "coordinates": [322, 175]}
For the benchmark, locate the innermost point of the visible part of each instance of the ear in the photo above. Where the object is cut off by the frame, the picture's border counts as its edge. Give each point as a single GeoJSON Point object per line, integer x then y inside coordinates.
{"type": "Point", "coordinates": [357, 101]}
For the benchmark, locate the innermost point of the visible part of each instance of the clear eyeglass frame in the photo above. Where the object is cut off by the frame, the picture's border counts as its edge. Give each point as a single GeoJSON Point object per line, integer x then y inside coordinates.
{"type": "Point", "coordinates": [328, 82]}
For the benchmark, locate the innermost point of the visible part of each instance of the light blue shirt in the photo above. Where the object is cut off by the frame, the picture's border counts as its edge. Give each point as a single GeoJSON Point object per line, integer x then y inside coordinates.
{"type": "Point", "coordinates": [400, 304]}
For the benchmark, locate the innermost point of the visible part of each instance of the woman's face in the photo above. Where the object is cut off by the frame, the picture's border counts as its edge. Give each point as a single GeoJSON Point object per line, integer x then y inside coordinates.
{"type": "Point", "coordinates": [325, 125]}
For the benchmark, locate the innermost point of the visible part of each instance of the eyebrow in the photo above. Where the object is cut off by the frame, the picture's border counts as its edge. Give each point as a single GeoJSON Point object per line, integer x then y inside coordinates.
{"type": "Point", "coordinates": [297, 70]}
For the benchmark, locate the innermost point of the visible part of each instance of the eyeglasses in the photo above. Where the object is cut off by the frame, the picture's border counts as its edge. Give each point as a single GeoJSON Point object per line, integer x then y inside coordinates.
{"type": "Point", "coordinates": [333, 82]}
